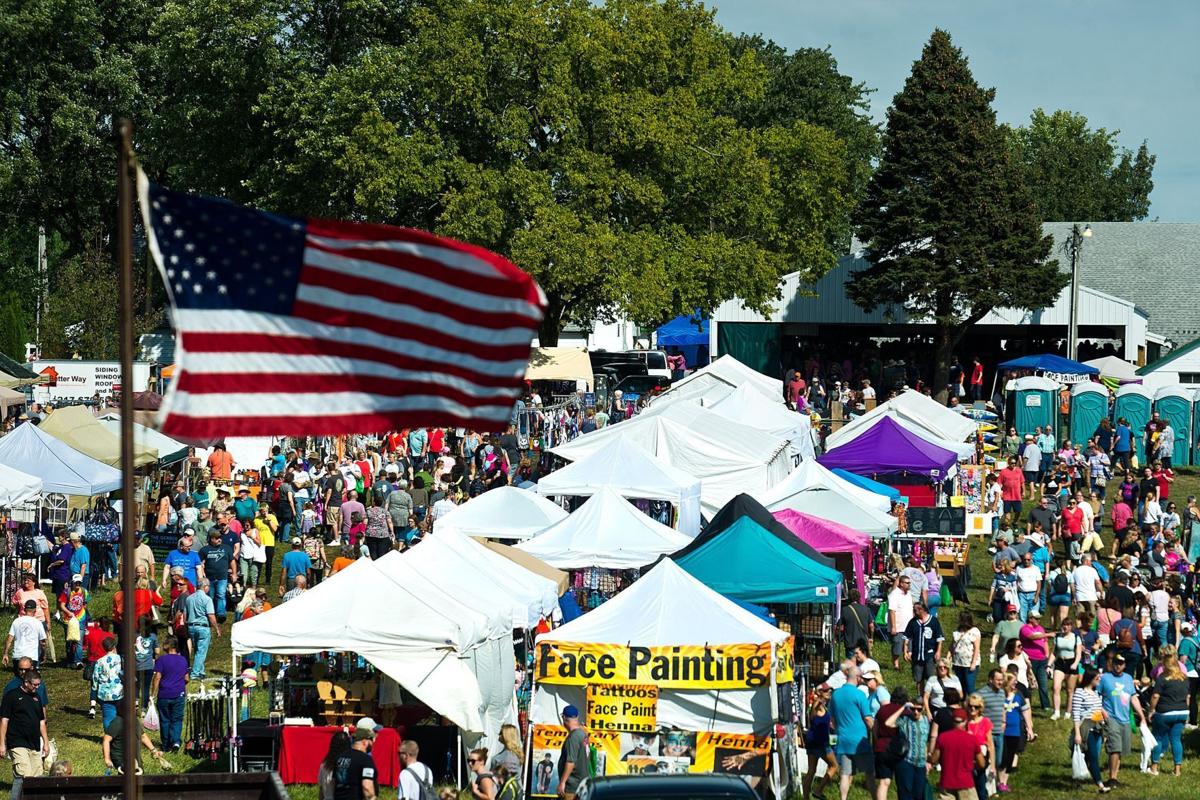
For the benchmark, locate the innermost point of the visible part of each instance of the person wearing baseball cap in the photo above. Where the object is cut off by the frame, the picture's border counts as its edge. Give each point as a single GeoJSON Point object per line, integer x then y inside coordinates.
{"type": "Point", "coordinates": [573, 758]}
{"type": "Point", "coordinates": [355, 775]}
{"type": "Point", "coordinates": [295, 563]}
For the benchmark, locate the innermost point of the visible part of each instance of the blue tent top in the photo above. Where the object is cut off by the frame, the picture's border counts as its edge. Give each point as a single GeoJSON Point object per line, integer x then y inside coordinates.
{"type": "Point", "coordinates": [1048, 362]}
{"type": "Point", "coordinates": [683, 332]}
{"type": "Point", "coordinates": [759, 611]}
{"type": "Point", "coordinates": [750, 563]}
{"type": "Point", "coordinates": [890, 492]}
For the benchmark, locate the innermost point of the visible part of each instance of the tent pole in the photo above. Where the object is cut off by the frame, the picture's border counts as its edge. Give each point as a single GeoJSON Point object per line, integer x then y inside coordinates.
{"type": "Point", "coordinates": [458, 758]}
{"type": "Point", "coordinates": [235, 702]}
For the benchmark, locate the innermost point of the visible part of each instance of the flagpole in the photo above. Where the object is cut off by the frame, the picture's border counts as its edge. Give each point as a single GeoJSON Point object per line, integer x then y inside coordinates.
{"type": "Point", "coordinates": [132, 729]}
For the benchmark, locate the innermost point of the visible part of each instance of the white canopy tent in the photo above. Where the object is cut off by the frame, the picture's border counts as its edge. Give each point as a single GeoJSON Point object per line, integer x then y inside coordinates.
{"type": "Point", "coordinates": [491, 579]}
{"type": "Point", "coordinates": [812, 489]}
{"type": "Point", "coordinates": [61, 468]}
{"type": "Point", "coordinates": [454, 658]}
{"type": "Point", "coordinates": [728, 457]}
{"type": "Point", "coordinates": [748, 406]}
{"type": "Point", "coordinates": [503, 513]}
{"type": "Point", "coordinates": [664, 608]}
{"type": "Point", "coordinates": [18, 488]}
{"type": "Point", "coordinates": [918, 413]}
{"type": "Point", "coordinates": [631, 472]}
{"type": "Point", "coordinates": [720, 378]}
{"type": "Point", "coordinates": [1115, 368]}
{"type": "Point", "coordinates": [606, 531]}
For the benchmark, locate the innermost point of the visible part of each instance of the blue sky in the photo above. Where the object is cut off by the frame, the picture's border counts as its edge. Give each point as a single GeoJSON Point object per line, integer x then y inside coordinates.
{"type": "Point", "coordinates": [1125, 65]}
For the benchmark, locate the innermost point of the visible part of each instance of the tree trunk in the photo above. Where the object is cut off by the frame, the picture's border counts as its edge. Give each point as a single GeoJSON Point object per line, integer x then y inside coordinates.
{"type": "Point", "coordinates": [551, 324]}
{"type": "Point", "coordinates": [943, 352]}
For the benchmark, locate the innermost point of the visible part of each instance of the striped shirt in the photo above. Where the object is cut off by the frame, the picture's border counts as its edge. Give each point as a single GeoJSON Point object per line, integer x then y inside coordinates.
{"type": "Point", "coordinates": [1084, 703]}
{"type": "Point", "coordinates": [993, 707]}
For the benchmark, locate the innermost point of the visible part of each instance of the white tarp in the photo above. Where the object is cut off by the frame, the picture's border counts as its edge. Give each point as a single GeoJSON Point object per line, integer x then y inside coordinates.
{"type": "Point", "coordinates": [720, 378]}
{"type": "Point", "coordinates": [503, 513]}
{"type": "Point", "coordinates": [727, 456]}
{"type": "Point", "coordinates": [62, 468]}
{"type": "Point", "coordinates": [631, 472]}
{"type": "Point", "coordinates": [450, 656]}
{"type": "Point", "coordinates": [492, 580]}
{"type": "Point", "coordinates": [168, 449]}
{"type": "Point", "coordinates": [912, 407]}
{"type": "Point", "coordinates": [1113, 367]}
{"type": "Point", "coordinates": [814, 490]}
{"type": "Point", "coordinates": [17, 488]}
{"type": "Point", "coordinates": [606, 531]}
{"type": "Point", "coordinates": [665, 607]}
{"type": "Point", "coordinates": [750, 407]}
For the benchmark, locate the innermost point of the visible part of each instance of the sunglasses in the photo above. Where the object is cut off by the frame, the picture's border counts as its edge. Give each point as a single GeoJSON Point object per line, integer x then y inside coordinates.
{"type": "Point", "coordinates": [474, 760]}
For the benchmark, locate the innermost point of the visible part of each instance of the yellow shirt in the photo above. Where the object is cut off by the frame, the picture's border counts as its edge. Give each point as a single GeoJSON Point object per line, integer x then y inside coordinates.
{"type": "Point", "coordinates": [263, 526]}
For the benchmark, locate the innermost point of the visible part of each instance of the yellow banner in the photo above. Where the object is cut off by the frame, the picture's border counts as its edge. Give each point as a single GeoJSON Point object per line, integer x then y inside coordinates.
{"type": "Point", "coordinates": [732, 666]}
{"type": "Point", "coordinates": [732, 753]}
{"type": "Point", "coordinates": [622, 707]}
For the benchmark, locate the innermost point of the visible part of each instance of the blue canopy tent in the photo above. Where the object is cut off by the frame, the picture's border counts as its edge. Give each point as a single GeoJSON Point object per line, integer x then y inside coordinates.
{"type": "Point", "coordinates": [890, 492]}
{"type": "Point", "coordinates": [689, 336]}
{"type": "Point", "coordinates": [748, 555]}
{"type": "Point", "coordinates": [1048, 362]}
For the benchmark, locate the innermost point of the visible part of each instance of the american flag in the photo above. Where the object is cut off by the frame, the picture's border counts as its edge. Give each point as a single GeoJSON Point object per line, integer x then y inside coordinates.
{"type": "Point", "coordinates": [288, 326]}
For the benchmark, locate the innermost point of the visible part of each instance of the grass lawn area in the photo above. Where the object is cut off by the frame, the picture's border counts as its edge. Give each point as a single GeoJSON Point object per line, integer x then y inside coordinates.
{"type": "Point", "coordinates": [1044, 771]}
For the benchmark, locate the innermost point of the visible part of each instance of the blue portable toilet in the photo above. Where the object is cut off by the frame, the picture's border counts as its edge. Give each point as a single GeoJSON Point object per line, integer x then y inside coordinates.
{"type": "Point", "coordinates": [1033, 403]}
{"type": "Point", "coordinates": [1089, 405]}
{"type": "Point", "coordinates": [1174, 404]}
{"type": "Point", "coordinates": [1133, 403]}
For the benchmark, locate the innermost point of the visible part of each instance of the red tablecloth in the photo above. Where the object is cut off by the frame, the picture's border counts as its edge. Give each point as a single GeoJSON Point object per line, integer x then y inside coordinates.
{"type": "Point", "coordinates": [302, 747]}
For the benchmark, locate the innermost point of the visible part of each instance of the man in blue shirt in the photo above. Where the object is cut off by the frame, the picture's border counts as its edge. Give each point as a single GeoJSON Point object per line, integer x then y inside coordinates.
{"type": "Point", "coordinates": [216, 559]}
{"type": "Point", "coordinates": [201, 620]}
{"type": "Point", "coordinates": [81, 559]}
{"type": "Point", "coordinates": [295, 563]}
{"type": "Point", "coordinates": [245, 508]}
{"type": "Point", "coordinates": [852, 721]}
{"type": "Point", "coordinates": [182, 557]}
{"type": "Point", "coordinates": [1117, 692]}
{"type": "Point", "coordinates": [418, 446]}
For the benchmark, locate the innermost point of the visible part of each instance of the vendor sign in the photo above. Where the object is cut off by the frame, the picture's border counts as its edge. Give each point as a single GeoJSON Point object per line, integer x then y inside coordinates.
{"type": "Point", "coordinates": [622, 707]}
{"type": "Point", "coordinates": [732, 666]}
{"type": "Point", "coordinates": [733, 753]}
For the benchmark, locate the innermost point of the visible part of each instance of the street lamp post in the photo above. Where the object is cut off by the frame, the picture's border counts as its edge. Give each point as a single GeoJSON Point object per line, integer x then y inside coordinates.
{"type": "Point", "coordinates": [1073, 246]}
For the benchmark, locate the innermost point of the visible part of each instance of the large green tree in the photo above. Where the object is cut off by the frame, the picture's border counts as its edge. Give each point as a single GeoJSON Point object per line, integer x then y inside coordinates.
{"type": "Point", "coordinates": [951, 230]}
{"type": "Point", "coordinates": [1077, 173]}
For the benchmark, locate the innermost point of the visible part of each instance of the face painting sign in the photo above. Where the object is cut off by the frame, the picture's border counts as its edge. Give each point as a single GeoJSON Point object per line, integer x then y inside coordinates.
{"type": "Point", "coordinates": [730, 666]}
{"type": "Point", "coordinates": [622, 707]}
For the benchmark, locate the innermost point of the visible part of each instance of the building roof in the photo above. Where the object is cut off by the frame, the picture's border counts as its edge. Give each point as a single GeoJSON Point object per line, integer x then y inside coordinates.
{"type": "Point", "coordinates": [1153, 264]}
{"type": "Point", "coordinates": [1154, 366]}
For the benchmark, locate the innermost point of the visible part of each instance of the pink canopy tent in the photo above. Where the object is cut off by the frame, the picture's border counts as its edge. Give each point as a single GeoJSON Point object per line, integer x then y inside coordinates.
{"type": "Point", "coordinates": [826, 536]}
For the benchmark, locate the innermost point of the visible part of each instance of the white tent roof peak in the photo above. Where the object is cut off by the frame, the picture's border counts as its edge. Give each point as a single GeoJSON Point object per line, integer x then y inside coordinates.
{"type": "Point", "coordinates": [720, 377]}
{"type": "Point", "coordinates": [667, 607]}
{"type": "Point", "coordinates": [1113, 367]}
{"type": "Point", "coordinates": [17, 487]}
{"type": "Point", "coordinates": [62, 468]}
{"type": "Point", "coordinates": [813, 489]}
{"type": "Point", "coordinates": [503, 513]}
{"type": "Point", "coordinates": [606, 531]}
{"type": "Point", "coordinates": [914, 407]}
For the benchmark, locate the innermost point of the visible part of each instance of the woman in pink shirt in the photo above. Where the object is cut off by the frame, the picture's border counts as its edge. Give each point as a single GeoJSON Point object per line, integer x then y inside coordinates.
{"type": "Point", "coordinates": [1033, 639]}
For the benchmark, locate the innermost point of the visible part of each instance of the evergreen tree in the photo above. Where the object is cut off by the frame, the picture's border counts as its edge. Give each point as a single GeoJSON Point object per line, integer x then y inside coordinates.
{"type": "Point", "coordinates": [951, 230]}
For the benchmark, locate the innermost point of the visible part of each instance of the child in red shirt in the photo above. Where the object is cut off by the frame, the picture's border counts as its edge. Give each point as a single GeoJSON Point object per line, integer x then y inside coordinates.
{"type": "Point", "coordinates": [93, 651]}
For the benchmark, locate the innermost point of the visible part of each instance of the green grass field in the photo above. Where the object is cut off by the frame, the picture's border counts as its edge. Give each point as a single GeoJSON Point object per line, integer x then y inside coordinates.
{"type": "Point", "coordinates": [1044, 770]}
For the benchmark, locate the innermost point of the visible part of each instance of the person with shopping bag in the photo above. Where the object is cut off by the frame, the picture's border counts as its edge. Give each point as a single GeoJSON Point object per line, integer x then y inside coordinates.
{"type": "Point", "coordinates": [1088, 721]}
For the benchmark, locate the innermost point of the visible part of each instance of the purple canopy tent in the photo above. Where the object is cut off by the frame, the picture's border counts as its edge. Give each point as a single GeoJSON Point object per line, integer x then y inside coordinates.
{"type": "Point", "coordinates": [888, 448]}
{"type": "Point", "coordinates": [827, 537]}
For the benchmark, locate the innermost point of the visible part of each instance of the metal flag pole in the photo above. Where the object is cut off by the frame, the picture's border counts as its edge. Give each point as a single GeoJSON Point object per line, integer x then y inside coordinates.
{"type": "Point", "coordinates": [132, 728]}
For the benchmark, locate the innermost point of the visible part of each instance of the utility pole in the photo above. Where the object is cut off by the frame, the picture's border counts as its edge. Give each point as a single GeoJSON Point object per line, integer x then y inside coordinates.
{"type": "Point", "coordinates": [41, 289]}
{"type": "Point", "coordinates": [1073, 246]}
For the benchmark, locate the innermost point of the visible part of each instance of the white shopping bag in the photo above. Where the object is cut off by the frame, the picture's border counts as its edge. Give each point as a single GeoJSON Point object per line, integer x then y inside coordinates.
{"type": "Point", "coordinates": [1079, 768]}
{"type": "Point", "coordinates": [1148, 743]}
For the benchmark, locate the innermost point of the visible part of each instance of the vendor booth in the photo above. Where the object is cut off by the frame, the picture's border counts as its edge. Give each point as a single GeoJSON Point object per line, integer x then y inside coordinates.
{"type": "Point", "coordinates": [560, 364]}
{"type": "Point", "coordinates": [1032, 403]}
{"type": "Point", "coordinates": [727, 456]}
{"type": "Point", "coordinates": [1089, 405]}
{"type": "Point", "coordinates": [927, 415]}
{"type": "Point", "coordinates": [1052, 366]}
{"type": "Point", "coordinates": [76, 426]}
{"type": "Point", "coordinates": [848, 546]}
{"type": "Point", "coordinates": [529, 562]}
{"type": "Point", "coordinates": [699, 681]}
{"type": "Point", "coordinates": [1133, 402]}
{"type": "Point", "coordinates": [1115, 371]}
{"type": "Point", "coordinates": [814, 490]}
{"type": "Point", "coordinates": [1174, 404]}
{"type": "Point", "coordinates": [503, 513]}
{"type": "Point", "coordinates": [443, 651]}
{"type": "Point", "coordinates": [749, 407]}
{"type": "Point", "coordinates": [11, 402]}
{"type": "Point", "coordinates": [890, 449]}
{"type": "Point", "coordinates": [633, 473]}
{"type": "Point", "coordinates": [720, 378]}
{"type": "Point", "coordinates": [875, 487]}
{"type": "Point", "coordinates": [686, 335]}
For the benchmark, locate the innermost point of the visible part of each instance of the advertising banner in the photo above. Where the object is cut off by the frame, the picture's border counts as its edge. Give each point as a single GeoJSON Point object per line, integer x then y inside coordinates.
{"type": "Point", "coordinates": [730, 666]}
{"type": "Point", "coordinates": [82, 380]}
{"type": "Point", "coordinates": [622, 707]}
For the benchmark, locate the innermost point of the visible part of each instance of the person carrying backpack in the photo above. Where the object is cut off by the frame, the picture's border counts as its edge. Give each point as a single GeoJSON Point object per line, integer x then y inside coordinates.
{"type": "Point", "coordinates": [416, 779]}
{"type": "Point", "coordinates": [1127, 641]}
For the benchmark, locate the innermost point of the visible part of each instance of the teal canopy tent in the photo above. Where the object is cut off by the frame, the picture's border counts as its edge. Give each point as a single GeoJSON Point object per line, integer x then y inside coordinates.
{"type": "Point", "coordinates": [752, 557]}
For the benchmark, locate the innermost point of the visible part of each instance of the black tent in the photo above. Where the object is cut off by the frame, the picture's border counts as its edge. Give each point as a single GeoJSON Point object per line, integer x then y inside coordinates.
{"type": "Point", "coordinates": [746, 506]}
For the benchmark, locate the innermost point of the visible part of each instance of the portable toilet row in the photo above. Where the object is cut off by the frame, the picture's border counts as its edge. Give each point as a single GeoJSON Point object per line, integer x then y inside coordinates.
{"type": "Point", "coordinates": [1176, 404]}
{"type": "Point", "coordinates": [1089, 405]}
